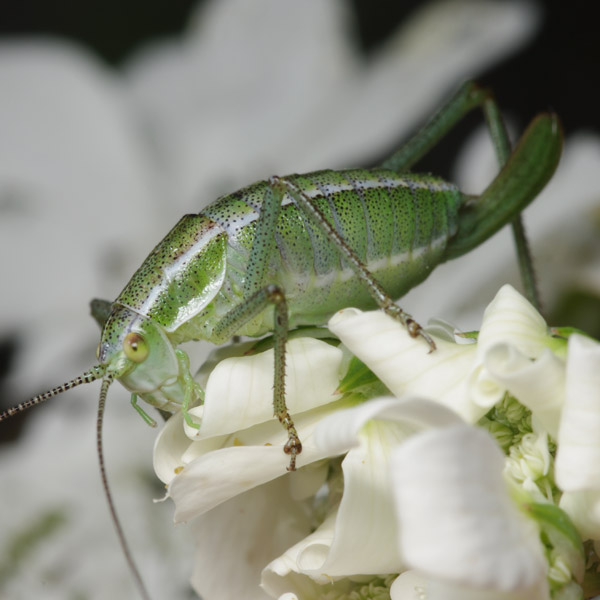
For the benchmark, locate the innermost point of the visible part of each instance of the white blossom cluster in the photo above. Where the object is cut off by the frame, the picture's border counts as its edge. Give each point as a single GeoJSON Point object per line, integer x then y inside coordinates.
{"type": "Point", "coordinates": [476, 474]}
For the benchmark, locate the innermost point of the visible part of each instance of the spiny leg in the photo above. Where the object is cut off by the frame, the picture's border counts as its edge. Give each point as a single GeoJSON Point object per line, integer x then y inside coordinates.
{"type": "Point", "coordinates": [241, 314]}
{"type": "Point", "coordinates": [502, 146]}
{"type": "Point", "coordinates": [257, 298]}
{"type": "Point", "coordinates": [469, 97]}
{"type": "Point", "coordinates": [529, 168]}
{"type": "Point", "coordinates": [381, 297]}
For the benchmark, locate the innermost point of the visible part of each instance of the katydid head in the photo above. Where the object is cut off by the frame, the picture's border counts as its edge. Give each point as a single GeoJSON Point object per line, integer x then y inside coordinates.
{"type": "Point", "coordinates": [136, 351]}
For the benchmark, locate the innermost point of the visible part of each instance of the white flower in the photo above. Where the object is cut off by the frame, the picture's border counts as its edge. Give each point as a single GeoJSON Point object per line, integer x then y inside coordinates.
{"type": "Point", "coordinates": [577, 460]}
{"type": "Point", "coordinates": [420, 492]}
{"type": "Point", "coordinates": [468, 377]}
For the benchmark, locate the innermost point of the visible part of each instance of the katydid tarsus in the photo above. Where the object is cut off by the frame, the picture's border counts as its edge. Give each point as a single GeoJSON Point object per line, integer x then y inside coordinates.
{"type": "Point", "coordinates": [293, 250]}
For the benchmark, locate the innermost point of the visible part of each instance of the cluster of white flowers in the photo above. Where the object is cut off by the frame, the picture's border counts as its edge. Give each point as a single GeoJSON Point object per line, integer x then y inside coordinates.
{"type": "Point", "coordinates": [468, 472]}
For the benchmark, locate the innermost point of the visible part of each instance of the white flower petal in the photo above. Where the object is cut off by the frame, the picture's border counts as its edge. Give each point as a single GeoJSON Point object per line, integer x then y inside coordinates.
{"type": "Point", "coordinates": [213, 474]}
{"type": "Point", "coordinates": [340, 432]}
{"type": "Point", "coordinates": [483, 389]}
{"type": "Point", "coordinates": [239, 393]}
{"type": "Point", "coordinates": [366, 514]}
{"type": "Point", "coordinates": [539, 385]}
{"type": "Point", "coordinates": [442, 590]}
{"type": "Point", "coordinates": [512, 319]}
{"type": "Point", "coordinates": [286, 573]}
{"type": "Point", "coordinates": [404, 364]}
{"type": "Point", "coordinates": [170, 445]}
{"type": "Point", "coordinates": [411, 585]}
{"type": "Point", "coordinates": [365, 517]}
{"type": "Point", "coordinates": [235, 541]}
{"type": "Point", "coordinates": [456, 521]}
{"type": "Point", "coordinates": [578, 455]}
{"type": "Point", "coordinates": [583, 507]}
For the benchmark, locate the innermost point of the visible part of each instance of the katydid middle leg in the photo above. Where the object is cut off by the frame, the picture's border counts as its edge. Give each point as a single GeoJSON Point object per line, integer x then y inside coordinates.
{"type": "Point", "coordinates": [241, 314]}
{"type": "Point", "coordinates": [258, 294]}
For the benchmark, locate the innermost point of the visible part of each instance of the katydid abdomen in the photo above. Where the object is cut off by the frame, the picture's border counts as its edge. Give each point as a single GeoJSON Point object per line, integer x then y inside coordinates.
{"type": "Point", "coordinates": [397, 225]}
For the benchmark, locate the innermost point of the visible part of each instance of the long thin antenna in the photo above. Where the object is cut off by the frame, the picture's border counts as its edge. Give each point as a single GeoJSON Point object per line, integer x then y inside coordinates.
{"type": "Point", "coordinates": [124, 546]}
{"type": "Point", "coordinates": [87, 377]}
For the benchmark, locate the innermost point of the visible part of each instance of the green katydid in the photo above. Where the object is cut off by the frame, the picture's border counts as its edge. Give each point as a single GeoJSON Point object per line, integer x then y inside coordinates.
{"type": "Point", "coordinates": [293, 250]}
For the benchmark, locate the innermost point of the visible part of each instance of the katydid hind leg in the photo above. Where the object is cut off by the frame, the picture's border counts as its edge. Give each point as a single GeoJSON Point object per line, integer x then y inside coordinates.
{"type": "Point", "coordinates": [529, 167]}
{"type": "Point", "coordinates": [502, 146]}
{"type": "Point", "coordinates": [470, 96]}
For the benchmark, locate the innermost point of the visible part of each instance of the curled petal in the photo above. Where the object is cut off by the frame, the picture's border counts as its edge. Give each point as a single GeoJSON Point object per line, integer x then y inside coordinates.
{"type": "Point", "coordinates": [539, 385]}
{"type": "Point", "coordinates": [583, 507]}
{"type": "Point", "coordinates": [578, 455]}
{"type": "Point", "coordinates": [235, 541]}
{"type": "Point", "coordinates": [219, 468]}
{"type": "Point", "coordinates": [404, 364]}
{"type": "Point", "coordinates": [286, 572]}
{"type": "Point", "coordinates": [409, 585]}
{"type": "Point", "coordinates": [366, 513]}
{"type": "Point", "coordinates": [239, 392]}
{"type": "Point", "coordinates": [169, 447]}
{"type": "Point", "coordinates": [340, 432]}
{"type": "Point", "coordinates": [512, 319]}
{"type": "Point", "coordinates": [483, 389]}
{"type": "Point", "coordinates": [456, 521]}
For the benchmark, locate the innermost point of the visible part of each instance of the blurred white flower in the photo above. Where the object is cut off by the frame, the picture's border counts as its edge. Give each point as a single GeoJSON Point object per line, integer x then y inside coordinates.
{"type": "Point", "coordinates": [577, 471]}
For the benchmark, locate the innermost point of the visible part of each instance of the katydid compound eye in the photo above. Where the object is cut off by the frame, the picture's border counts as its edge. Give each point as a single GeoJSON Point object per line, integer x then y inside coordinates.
{"type": "Point", "coordinates": [135, 347]}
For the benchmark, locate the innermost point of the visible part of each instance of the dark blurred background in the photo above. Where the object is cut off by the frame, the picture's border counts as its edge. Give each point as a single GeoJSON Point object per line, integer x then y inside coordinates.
{"type": "Point", "coordinates": [559, 69]}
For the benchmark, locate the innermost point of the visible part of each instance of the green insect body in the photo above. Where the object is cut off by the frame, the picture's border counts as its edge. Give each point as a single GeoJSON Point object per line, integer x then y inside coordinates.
{"type": "Point", "coordinates": [398, 226]}
{"type": "Point", "coordinates": [293, 250]}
